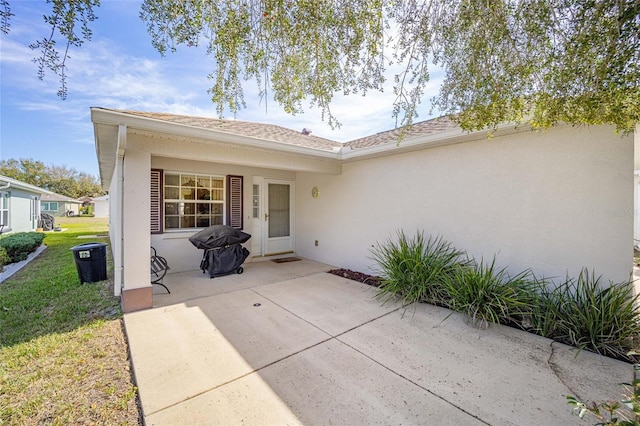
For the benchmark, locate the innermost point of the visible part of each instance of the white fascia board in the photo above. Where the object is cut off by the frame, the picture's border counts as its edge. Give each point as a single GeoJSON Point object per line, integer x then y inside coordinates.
{"type": "Point", "coordinates": [24, 186]}
{"type": "Point", "coordinates": [183, 130]}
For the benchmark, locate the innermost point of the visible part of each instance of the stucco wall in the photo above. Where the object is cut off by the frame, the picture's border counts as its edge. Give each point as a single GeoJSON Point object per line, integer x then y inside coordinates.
{"type": "Point", "coordinates": [101, 207]}
{"type": "Point", "coordinates": [554, 201]}
{"type": "Point", "coordinates": [174, 245]}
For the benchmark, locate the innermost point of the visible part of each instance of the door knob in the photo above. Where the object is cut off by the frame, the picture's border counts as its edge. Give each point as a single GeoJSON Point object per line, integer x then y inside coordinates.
{"type": "Point", "coordinates": [266, 216]}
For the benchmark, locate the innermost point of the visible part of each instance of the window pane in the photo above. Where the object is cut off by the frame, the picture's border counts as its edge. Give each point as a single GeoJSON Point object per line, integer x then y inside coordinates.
{"type": "Point", "coordinates": [204, 194]}
{"type": "Point", "coordinates": [217, 194]}
{"type": "Point", "coordinates": [189, 208]}
{"type": "Point", "coordinates": [217, 208]}
{"type": "Point", "coordinates": [202, 221]}
{"type": "Point", "coordinates": [188, 194]}
{"type": "Point", "coordinates": [171, 193]}
{"type": "Point", "coordinates": [217, 183]}
{"type": "Point", "coordinates": [188, 222]}
{"type": "Point", "coordinates": [204, 182]}
{"type": "Point", "coordinates": [171, 221]}
{"type": "Point", "coordinates": [188, 180]}
{"type": "Point", "coordinates": [171, 179]}
{"type": "Point", "coordinates": [279, 210]}
{"type": "Point", "coordinates": [217, 220]}
{"type": "Point", "coordinates": [204, 208]}
{"type": "Point", "coordinates": [256, 200]}
{"type": "Point", "coordinates": [170, 209]}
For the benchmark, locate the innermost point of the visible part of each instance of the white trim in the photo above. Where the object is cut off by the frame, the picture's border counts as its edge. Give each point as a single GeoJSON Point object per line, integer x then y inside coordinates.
{"type": "Point", "coordinates": [13, 183]}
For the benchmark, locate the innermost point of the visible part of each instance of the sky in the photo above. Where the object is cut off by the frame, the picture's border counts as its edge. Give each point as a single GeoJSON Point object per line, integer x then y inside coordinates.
{"type": "Point", "coordinates": [120, 69]}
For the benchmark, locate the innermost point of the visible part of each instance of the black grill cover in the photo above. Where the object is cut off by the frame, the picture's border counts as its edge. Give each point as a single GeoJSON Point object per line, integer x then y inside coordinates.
{"type": "Point", "coordinates": [218, 236]}
{"type": "Point", "coordinates": [223, 261]}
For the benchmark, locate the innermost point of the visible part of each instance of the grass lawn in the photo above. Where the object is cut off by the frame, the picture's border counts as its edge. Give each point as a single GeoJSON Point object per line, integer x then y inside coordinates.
{"type": "Point", "coordinates": [63, 354]}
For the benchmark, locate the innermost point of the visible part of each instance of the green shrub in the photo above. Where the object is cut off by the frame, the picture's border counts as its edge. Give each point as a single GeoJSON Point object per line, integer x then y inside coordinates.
{"type": "Point", "coordinates": [415, 269]}
{"type": "Point", "coordinates": [601, 320]}
{"type": "Point", "coordinates": [489, 295]}
{"type": "Point", "coordinates": [19, 245]}
{"type": "Point", "coordinates": [4, 258]}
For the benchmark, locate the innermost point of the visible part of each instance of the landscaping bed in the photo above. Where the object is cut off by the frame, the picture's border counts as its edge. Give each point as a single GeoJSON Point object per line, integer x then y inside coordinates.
{"type": "Point", "coordinates": [357, 276]}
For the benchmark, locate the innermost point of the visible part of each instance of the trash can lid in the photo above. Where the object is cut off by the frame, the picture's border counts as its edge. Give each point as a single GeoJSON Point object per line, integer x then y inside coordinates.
{"type": "Point", "coordinates": [88, 246]}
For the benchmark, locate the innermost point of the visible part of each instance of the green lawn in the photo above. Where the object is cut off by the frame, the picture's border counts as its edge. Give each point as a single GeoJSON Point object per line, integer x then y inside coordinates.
{"type": "Point", "coordinates": [63, 355]}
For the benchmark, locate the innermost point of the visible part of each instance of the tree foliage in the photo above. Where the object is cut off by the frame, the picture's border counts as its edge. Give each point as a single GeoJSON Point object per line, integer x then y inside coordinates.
{"type": "Point", "coordinates": [59, 179]}
{"type": "Point", "coordinates": [543, 61]}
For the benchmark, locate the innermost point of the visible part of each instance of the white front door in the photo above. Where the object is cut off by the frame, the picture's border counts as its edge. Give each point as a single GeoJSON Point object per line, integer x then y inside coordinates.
{"type": "Point", "coordinates": [278, 217]}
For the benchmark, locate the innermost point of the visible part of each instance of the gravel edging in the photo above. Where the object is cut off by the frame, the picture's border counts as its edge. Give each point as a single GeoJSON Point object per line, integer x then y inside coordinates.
{"type": "Point", "coordinates": [12, 268]}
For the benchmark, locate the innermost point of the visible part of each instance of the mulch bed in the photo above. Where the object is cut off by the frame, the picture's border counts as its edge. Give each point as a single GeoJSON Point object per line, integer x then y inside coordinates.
{"type": "Point", "coordinates": [371, 280]}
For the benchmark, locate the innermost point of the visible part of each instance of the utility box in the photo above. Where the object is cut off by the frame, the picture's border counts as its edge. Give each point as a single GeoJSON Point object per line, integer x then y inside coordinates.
{"type": "Point", "coordinates": [91, 262]}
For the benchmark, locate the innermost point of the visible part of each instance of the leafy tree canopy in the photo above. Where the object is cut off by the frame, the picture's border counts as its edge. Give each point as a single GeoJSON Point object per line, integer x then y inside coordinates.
{"type": "Point", "coordinates": [59, 179]}
{"type": "Point", "coordinates": [545, 61]}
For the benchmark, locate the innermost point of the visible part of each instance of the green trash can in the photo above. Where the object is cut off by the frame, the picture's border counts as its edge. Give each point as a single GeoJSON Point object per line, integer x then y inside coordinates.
{"type": "Point", "coordinates": [91, 262]}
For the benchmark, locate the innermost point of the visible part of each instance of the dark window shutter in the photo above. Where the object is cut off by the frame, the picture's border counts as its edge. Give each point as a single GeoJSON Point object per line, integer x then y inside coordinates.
{"type": "Point", "coordinates": [156, 201]}
{"type": "Point", "coordinates": [234, 201]}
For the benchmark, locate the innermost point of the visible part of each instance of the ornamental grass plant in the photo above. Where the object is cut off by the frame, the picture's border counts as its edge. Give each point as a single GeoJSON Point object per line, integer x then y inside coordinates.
{"type": "Point", "coordinates": [596, 317]}
{"type": "Point", "coordinates": [415, 269]}
{"type": "Point", "coordinates": [581, 312]}
{"type": "Point", "coordinates": [486, 294]}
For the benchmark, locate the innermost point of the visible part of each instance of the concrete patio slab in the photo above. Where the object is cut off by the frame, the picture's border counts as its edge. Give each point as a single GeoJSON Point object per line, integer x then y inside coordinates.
{"type": "Point", "coordinates": [319, 386]}
{"type": "Point", "coordinates": [502, 375]}
{"type": "Point", "coordinates": [183, 350]}
{"type": "Point", "coordinates": [285, 344]}
{"type": "Point", "coordinates": [331, 303]}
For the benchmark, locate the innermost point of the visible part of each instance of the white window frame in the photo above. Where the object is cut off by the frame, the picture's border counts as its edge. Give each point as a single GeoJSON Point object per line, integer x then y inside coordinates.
{"type": "Point", "coordinates": [179, 204]}
{"type": "Point", "coordinates": [5, 206]}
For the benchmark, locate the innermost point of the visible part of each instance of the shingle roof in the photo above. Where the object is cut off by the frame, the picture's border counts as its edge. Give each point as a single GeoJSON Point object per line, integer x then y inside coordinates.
{"type": "Point", "coordinates": [244, 128]}
{"type": "Point", "coordinates": [280, 134]}
{"type": "Point", "coordinates": [59, 197]}
{"type": "Point", "coordinates": [436, 125]}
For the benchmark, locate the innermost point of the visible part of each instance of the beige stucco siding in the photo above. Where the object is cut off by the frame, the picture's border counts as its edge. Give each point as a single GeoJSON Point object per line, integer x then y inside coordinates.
{"type": "Point", "coordinates": [553, 201]}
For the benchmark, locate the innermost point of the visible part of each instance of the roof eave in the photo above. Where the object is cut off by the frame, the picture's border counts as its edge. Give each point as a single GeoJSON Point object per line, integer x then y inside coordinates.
{"type": "Point", "coordinates": [434, 140]}
{"type": "Point", "coordinates": [115, 118]}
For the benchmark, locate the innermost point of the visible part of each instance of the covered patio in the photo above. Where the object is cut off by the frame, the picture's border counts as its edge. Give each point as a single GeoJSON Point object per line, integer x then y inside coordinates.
{"type": "Point", "coordinates": [288, 343]}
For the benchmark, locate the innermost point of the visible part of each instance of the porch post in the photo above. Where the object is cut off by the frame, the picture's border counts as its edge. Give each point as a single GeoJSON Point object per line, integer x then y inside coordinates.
{"type": "Point", "coordinates": [137, 291]}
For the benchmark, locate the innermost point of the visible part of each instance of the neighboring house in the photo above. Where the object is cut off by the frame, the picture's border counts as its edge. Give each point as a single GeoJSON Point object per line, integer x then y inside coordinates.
{"type": "Point", "coordinates": [553, 201]}
{"type": "Point", "coordinates": [19, 205]}
{"type": "Point", "coordinates": [60, 205]}
{"type": "Point", "coordinates": [101, 206]}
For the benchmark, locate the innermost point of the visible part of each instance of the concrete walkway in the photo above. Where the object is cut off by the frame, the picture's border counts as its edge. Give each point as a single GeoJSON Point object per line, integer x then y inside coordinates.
{"type": "Point", "coordinates": [290, 344]}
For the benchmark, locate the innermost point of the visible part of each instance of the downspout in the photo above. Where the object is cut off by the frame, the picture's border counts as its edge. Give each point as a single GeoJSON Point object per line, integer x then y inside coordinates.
{"type": "Point", "coordinates": [7, 186]}
{"type": "Point", "coordinates": [119, 228]}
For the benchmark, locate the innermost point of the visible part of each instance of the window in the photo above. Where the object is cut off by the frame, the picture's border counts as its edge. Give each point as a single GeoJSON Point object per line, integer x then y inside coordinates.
{"type": "Point", "coordinates": [49, 206]}
{"type": "Point", "coordinates": [193, 201]}
{"type": "Point", "coordinates": [256, 201]}
{"type": "Point", "coordinates": [4, 208]}
{"type": "Point", "coordinates": [190, 201]}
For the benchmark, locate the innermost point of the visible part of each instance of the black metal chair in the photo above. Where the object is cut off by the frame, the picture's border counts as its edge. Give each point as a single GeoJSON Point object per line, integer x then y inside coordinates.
{"type": "Point", "coordinates": [159, 268]}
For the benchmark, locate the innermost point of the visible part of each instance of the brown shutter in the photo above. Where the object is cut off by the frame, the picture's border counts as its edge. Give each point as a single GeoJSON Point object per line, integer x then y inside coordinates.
{"type": "Point", "coordinates": [156, 201]}
{"type": "Point", "coordinates": [234, 201]}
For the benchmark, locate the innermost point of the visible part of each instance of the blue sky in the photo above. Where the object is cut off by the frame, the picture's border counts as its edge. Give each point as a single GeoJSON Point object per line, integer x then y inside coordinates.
{"type": "Point", "coordinates": [119, 68]}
